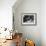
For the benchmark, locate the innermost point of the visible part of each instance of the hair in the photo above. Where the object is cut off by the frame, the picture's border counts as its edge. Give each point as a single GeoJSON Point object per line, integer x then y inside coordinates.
{"type": "Point", "coordinates": [5, 29]}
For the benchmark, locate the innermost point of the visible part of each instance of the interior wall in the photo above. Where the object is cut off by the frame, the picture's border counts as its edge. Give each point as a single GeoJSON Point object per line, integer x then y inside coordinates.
{"type": "Point", "coordinates": [43, 22]}
{"type": "Point", "coordinates": [29, 32]}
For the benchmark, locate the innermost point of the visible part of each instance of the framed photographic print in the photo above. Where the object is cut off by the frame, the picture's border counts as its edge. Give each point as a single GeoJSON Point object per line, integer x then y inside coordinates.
{"type": "Point", "coordinates": [29, 19]}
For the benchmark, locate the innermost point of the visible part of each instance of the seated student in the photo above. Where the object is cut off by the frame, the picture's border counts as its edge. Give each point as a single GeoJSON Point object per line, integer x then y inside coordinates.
{"type": "Point", "coordinates": [18, 40]}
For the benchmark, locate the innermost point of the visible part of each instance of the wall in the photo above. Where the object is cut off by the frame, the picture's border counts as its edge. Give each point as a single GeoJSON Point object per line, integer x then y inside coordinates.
{"type": "Point", "coordinates": [37, 33]}
{"type": "Point", "coordinates": [43, 22]}
{"type": "Point", "coordinates": [6, 13]}
{"type": "Point", "coordinates": [29, 32]}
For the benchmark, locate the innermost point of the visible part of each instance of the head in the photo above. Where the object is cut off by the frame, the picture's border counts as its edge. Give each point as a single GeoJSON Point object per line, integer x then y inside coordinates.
{"type": "Point", "coordinates": [5, 29]}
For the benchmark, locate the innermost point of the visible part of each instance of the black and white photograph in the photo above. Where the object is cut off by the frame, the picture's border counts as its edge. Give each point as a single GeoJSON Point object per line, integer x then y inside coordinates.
{"type": "Point", "coordinates": [29, 19]}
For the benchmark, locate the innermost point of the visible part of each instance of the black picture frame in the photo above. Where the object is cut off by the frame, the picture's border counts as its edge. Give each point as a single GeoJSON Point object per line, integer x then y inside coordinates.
{"type": "Point", "coordinates": [29, 19]}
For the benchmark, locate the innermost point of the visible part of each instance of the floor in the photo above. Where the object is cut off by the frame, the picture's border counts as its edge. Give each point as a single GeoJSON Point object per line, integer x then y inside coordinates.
{"type": "Point", "coordinates": [9, 43]}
